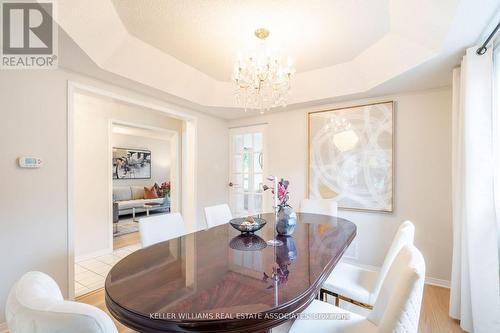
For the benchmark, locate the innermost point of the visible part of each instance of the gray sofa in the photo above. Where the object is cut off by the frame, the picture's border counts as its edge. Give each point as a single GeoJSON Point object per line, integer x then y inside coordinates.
{"type": "Point", "coordinates": [128, 197]}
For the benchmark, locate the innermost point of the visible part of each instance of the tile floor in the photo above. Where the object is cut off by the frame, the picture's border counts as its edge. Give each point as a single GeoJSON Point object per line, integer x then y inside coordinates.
{"type": "Point", "coordinates": [91, 273]}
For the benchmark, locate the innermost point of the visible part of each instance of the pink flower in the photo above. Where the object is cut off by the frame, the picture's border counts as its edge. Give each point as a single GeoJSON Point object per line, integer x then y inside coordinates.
{"type": "Point", "coordinates": [281, 191]}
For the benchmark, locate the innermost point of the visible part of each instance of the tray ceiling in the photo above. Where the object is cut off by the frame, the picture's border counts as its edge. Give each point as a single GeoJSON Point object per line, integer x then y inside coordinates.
{"type": "Point", "coordinates": [208, 35]}
{"type": "Point", "coordinates": [341, 47]}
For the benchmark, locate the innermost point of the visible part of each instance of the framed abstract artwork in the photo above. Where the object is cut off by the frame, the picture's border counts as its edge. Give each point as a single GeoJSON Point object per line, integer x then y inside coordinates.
{"type": "Point", "coordinates": [351, 154]}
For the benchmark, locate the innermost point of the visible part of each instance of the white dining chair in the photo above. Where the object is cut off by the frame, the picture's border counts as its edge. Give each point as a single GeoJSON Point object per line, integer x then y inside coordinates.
{"type": "Point", "coordinates": [319, 206]}
{"type": "Point", "coordinates": [396, 310]}
{"type": "Point", "coordinates": [35, 305]}
{"type": "Point", "coordinates": [217, 215]}
{"type": "Point", "coordinates": [160, 228]}
{"type": "Point", "coordinates": [351, 283]}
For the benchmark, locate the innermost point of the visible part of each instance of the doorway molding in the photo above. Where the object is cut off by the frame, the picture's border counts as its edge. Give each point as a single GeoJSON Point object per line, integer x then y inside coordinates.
{"type": "Point", "coordinates": [187, 163]}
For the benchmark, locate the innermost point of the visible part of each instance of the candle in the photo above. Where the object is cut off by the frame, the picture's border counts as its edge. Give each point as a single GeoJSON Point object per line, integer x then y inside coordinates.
{"type": "Point", "coordinates": [276, 193]}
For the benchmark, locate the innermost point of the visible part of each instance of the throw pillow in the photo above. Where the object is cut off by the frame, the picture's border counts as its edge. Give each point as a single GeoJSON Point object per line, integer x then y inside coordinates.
{"type": "Point", "coordinates": [150, 193]}
{"type": "Point", "coordinates": [137, 192]}
{"type": "Point", "coordinates": [157, 189]}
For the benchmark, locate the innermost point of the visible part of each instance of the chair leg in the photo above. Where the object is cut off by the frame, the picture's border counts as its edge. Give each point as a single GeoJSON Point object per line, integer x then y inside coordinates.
{"type": "Point", "coordinates": [324, 294]}
{"type": "Point", "coordinates": [321, 295]}
{"type": "Point", "coordinates": [338, 298]}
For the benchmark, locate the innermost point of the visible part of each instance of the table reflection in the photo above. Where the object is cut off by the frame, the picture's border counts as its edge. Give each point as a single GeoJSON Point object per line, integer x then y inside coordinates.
{"type": "Point", "coordinates": [247, 242]}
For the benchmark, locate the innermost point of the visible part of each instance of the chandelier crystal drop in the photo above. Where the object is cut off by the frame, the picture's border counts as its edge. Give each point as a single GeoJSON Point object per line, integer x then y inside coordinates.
{"type": "Point", "coordinates": [262, 80]}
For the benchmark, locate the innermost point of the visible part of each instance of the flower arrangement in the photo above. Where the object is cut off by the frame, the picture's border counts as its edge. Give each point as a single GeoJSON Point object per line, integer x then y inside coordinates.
{"type": "Point", "coordinates": [164, 189]}
{"type": "Point", "coordinates": [283, 196]}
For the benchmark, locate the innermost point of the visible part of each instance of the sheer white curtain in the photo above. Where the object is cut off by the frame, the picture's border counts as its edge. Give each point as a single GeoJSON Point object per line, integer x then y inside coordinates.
{"type": "Point", "coordinates": [496, 135]}
{"type": "Point", "coordinates": [475, 290]}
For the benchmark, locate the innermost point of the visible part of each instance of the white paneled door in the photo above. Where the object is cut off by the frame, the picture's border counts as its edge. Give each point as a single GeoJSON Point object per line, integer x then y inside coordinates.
{"type": "Point", "coordinates": [246, 169]}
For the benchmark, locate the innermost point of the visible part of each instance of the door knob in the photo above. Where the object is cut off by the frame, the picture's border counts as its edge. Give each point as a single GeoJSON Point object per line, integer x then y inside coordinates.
{"type": "Point", "coordinates": [230, 184]}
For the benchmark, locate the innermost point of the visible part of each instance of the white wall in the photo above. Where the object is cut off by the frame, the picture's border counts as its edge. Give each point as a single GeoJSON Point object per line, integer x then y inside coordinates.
{"type": "Point", "coordinates": [33, 203]}
{"type": "Point", "coordinates": [92, 173]}
{"type": "Point", "coordinates": [422, 169]}
{"type": "Point", "coordinates": [161, 158]}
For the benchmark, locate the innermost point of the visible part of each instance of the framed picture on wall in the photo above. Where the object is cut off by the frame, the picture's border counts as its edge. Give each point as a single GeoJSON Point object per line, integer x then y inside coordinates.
{"type": "Point", "coordinates": [351, 154]}
{"type": "Point", "coordinates": [131, 163]}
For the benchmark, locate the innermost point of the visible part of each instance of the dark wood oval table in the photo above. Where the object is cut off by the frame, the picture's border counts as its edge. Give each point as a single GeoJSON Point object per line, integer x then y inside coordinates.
{"type": "Point", "coordinates": [219, 280]}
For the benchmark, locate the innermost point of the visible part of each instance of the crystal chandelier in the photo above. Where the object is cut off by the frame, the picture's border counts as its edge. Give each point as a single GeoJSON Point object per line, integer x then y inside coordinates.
{"type": "Point", "coordinates": [262, 80]}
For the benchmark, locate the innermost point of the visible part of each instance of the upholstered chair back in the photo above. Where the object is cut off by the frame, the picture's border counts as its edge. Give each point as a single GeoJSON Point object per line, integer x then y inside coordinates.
{"type": "Point", "coordinates": [397, 308]}
{"type": "Point", "coordinates": [404, 236]}
{"type": "Point", "coordinates": [35, 305]}
{"type": "Point", "coordinates": [217, 215]}
{"type": "Point", "coordinates": [160, 228]}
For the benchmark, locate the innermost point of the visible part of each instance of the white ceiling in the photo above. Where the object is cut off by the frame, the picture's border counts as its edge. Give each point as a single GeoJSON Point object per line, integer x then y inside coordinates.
{"type": "Point", "coordinates": [343, 48]}
{"type": "Point", "coordinates": [208, 35]}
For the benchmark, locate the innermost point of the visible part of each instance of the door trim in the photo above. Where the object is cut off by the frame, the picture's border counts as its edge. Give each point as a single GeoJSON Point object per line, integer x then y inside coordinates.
{"type": "Point", "coordinates": [188, 163]}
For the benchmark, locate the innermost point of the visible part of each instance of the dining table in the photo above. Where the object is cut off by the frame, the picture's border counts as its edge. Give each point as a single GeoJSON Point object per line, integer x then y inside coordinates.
{"type": "Point", "coordinates": [223, 280]}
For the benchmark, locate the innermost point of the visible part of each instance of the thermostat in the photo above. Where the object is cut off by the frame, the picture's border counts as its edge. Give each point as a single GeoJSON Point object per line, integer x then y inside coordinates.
{"type": "Point", "coordinates": [30, 162]}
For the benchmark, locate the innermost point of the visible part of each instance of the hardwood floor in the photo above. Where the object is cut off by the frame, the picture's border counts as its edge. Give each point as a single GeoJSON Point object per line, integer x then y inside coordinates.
{"type": "Point", "coordinates": [434, 315]}
{"type": "Point", "coordinates": [433, 318]}
{"type": "Point", "coordinates": [96, 298]}
{"type": "Point", "coordinates": [126, 240]}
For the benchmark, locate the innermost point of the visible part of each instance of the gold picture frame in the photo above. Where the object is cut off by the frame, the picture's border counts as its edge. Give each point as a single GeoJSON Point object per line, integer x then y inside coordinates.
{"type": "Point", "coordinates": [342, 143]}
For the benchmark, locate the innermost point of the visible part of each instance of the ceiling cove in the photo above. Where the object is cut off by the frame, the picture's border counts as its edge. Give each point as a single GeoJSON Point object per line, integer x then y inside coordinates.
{"type": "Point", "coordinates": [188, 48]}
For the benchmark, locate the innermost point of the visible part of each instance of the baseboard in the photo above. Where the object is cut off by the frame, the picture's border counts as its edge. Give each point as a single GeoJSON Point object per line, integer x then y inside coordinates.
{"type": "Point", "coordinates": [4, 328]}
{"type": "Point", "coordinates": [437, 282]}
{"type": "Point", "coordinates": [428, 279]}
{"type": "Point", "coordinates": [93, 255]}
